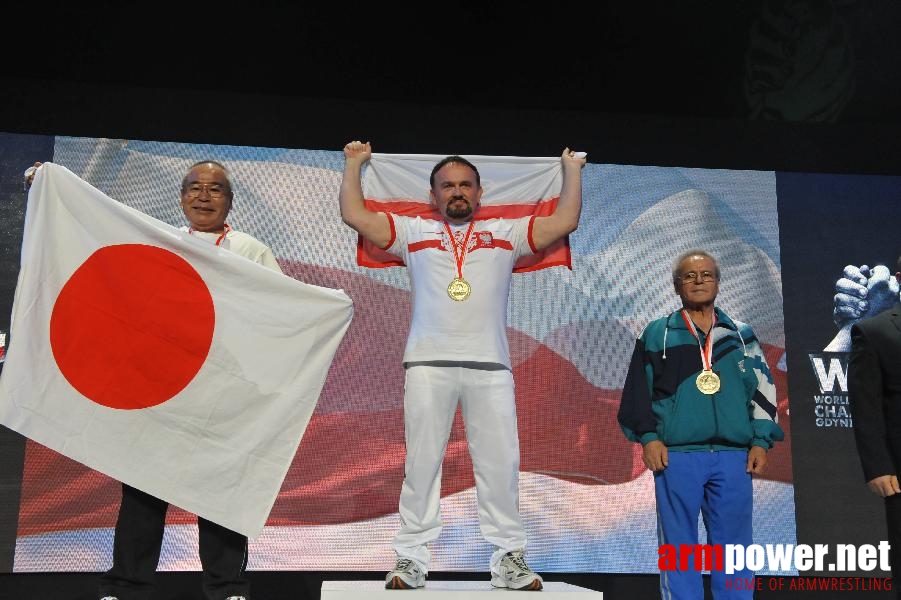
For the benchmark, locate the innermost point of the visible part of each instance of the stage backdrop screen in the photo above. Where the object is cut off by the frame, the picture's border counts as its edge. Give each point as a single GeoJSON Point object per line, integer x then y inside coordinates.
{"type": "Point", "coordinates": [586, 499]}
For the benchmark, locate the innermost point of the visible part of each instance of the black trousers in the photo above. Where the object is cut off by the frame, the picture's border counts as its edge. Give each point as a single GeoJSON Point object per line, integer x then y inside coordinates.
{"type": "Point", "coordinates": [893, 521]}
{"type": "Point", "coordinates": [137, 544]}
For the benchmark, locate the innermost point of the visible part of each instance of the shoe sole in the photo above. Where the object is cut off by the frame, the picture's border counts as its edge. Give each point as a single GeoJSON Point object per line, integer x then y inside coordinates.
{"type": "Point", "coordinates": [535, 586]}
{"type": "Point", "coordinates": [396, 583]}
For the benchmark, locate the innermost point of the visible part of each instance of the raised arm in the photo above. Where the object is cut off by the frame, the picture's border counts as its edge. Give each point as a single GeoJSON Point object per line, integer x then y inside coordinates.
{"type": "Point", "coordinates": [374, 226]}
{"type": "Point", "coordinates": [565, 219]}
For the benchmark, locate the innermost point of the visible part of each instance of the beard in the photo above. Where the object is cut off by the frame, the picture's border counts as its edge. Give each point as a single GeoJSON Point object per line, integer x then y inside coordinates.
{"type": "Point", "coordinates": [459, 212]}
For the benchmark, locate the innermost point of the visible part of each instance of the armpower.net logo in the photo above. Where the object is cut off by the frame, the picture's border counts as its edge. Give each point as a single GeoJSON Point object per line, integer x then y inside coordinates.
{"type": "Point", "coordinates": [742, 561]}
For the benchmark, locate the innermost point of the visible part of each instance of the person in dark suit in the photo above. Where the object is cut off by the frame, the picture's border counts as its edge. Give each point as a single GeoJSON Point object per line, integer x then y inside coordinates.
{"type": "Point", "coordinates": [874, 388]}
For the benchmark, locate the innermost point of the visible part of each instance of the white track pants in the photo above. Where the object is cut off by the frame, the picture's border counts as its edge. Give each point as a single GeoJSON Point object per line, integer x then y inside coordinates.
{"type": "Point", "coordinates": [489, 413]}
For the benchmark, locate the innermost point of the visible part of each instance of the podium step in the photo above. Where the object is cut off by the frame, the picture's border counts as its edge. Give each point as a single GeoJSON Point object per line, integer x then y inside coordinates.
{"type": "Point", "coordinates": [446, 590]}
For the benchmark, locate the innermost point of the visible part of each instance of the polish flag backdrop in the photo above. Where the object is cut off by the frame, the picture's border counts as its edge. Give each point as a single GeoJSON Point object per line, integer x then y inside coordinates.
{"type": "Point", "coordinates": [514, 186]}
{"type": "Point", "coordinates": [586, 499]}
{"type": "Point", "coordinates": [159, 359]}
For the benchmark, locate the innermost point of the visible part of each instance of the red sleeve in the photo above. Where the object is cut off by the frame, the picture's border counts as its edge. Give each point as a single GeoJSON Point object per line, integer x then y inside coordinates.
{"type": "Point", "coordinates": [529, 236]}
{"type": "Point", "coordinates": [393, 231]}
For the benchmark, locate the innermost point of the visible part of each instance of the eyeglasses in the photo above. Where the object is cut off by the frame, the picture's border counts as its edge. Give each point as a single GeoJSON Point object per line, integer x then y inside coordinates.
{"type": "Point", "coordinates": [693, 277]}
{"type": "Point", "coordinates": [215, 190]}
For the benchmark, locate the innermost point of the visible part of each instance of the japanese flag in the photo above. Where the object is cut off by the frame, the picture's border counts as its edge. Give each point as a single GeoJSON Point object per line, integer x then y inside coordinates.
{"type": "Point", "coordinates": [514, 186]}
{"type": "Point", "coordinates": [159, 359]}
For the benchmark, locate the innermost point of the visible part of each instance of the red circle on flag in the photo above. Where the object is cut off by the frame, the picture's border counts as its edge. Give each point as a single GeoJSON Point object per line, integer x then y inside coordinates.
{"type": "Point", "coordinates": [132, 326]}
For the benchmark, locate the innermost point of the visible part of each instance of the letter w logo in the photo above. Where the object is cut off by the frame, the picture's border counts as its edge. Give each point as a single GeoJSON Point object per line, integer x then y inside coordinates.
{"type": "Point", "coordinates": [835, 374]}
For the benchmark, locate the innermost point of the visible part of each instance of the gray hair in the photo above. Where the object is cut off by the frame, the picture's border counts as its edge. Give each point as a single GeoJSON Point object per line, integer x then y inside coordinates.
{"type": "Point", "coordinates": [690, 253]}
{"type": "Point", "coordinates": [217, 164]}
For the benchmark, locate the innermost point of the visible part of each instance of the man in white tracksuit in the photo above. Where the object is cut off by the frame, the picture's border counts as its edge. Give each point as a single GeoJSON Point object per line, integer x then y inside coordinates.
{"type": "Point", "coordinates": [460, 271]}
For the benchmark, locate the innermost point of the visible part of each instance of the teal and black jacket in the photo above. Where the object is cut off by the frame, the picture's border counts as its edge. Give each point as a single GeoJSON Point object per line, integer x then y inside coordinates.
{"type": "Point", "coordinates": [660, 400]}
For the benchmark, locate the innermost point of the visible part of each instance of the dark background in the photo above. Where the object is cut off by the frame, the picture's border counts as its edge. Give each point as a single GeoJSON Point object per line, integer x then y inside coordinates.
{"type": "Point", "coordinates": [827, 221]}
{"type": "Point", "coordinates": [789, 85]}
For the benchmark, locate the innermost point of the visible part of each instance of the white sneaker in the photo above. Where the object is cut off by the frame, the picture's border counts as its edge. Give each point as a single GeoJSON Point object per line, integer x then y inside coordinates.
{"type": "Point", "coordinates": [236, 598]}
{"type": "Point", "coordinates": [406, 576]}
{"type": "Point", "coordinates": [109, 598]}
{"type": "Point", "coordinates": [515, 574]}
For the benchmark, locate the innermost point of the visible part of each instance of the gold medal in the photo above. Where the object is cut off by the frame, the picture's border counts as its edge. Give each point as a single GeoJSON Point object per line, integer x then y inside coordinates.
{"type": "Point", "coordinates": [459, 289]}
{"type": "Point", "coordinates": [708, 382]}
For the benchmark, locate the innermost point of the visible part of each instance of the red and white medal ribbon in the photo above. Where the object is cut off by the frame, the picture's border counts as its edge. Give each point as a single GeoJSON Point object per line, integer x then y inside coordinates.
{"type": "Point", "coordinates": [459, 289]}
{"type": "Point", "coordinates": [221, 237]}
{"type": "Point", "coordinates": [707, 348]}
{"type": "Point", "coordinates": [459, 249]}
{"type": "Point", "coordinates": [707, 381]}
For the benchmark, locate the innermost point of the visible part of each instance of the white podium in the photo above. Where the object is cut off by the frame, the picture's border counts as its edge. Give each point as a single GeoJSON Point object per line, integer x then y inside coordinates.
{"type": "Point", "coordinates": [446, 590]}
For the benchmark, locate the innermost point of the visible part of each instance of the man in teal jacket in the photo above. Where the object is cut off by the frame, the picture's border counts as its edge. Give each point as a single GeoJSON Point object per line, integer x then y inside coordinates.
{"type": "Point", "coordinates": [700, 399]}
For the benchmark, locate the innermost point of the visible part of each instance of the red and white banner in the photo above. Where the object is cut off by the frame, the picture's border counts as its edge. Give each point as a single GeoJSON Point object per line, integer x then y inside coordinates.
{"type": "Point", "coordinates": [159, 359]}
{"type": "Point", "coordinates": [514, 186]}
{"type": "Point", "coordinates": [571, 334]}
